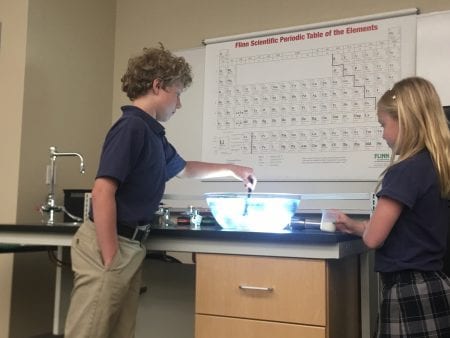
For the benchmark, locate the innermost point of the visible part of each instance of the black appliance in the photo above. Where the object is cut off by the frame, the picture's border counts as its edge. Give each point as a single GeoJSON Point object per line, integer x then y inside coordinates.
{"type": "Point", "coordinates": [74, 202]}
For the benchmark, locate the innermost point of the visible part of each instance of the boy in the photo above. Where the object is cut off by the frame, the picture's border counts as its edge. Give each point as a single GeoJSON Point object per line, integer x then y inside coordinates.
{"type": "Point", "coordinates": [135, 163]}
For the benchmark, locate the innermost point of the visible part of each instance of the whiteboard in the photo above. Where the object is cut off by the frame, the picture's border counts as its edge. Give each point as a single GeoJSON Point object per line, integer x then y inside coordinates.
{"type": "Point", "coordinates": [185, 127]}
{"type": "Point", "coordinates": [302, 105]}
{"type": "Point", "coordinates": [433, 51]}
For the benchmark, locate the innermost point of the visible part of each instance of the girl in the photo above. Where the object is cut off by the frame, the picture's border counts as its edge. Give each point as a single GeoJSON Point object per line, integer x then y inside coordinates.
{"type": "Point", "coordinates": [409, 225]}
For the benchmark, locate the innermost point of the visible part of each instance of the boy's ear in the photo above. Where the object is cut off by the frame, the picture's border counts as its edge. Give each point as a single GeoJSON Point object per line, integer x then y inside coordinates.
{"type": "Point", "coordinates": [156, 85]}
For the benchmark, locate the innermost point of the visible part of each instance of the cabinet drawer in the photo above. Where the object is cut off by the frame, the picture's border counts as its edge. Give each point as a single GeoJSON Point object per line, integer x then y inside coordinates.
{"type": "Point", "coordinates": [223, 327]}
{"type": "Point", "coordinates": [285, 290]}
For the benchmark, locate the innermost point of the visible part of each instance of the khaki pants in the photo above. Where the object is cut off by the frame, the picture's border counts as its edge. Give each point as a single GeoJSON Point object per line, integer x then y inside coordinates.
{"type": "Point", "coordinates": [104, 302]}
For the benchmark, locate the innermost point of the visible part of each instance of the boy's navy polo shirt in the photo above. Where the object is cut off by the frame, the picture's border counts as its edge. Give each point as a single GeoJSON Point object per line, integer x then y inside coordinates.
{"type": "Point", "coordinates": [418, 239]}
{"type": "Point", "coordinates": [138, 156]}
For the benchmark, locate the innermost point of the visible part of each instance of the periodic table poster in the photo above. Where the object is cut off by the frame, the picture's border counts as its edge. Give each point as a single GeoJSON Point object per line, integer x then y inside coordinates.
{"type": "Point", "coordinates": [302, 105]}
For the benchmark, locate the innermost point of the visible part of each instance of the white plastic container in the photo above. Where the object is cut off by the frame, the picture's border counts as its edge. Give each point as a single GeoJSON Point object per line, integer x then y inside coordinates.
{"type": "Point", "coordinates": [328, 219]}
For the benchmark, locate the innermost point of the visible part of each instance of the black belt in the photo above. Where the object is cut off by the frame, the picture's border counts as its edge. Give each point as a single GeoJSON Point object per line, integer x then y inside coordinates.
{"type": "Point", "coordinates": [135, 232]}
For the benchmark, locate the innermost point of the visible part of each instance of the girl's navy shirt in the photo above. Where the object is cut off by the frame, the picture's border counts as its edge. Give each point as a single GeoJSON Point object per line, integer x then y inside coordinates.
{"type": "Point", "coordinates": [138, 156]}
{"type": "Point", "coordinates": [418, 239]}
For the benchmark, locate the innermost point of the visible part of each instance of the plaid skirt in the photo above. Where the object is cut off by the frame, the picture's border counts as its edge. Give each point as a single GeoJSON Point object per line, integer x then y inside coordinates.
{"type": "Point", "coordinates": [415, 305]}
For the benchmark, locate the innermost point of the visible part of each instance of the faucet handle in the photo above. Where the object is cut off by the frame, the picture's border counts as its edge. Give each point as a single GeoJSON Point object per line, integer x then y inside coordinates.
{"type": "Point", "coordinates": [196, 218]}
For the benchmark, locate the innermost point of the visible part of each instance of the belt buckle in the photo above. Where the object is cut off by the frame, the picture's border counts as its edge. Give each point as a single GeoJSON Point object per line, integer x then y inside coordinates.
{"type": "Point", "coordinates": [145, 228]}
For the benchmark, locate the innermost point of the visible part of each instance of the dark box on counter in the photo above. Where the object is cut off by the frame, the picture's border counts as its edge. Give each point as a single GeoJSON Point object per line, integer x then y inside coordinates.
{"type": "Point", "coordinates": [74, 202]}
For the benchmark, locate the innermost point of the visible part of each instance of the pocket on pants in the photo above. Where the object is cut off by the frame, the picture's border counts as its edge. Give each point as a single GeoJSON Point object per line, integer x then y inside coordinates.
{"type": "Point", "coordinates": [115, 262]}
{"type": "Point", "coordinates": [85, 251]}
{"type": "Point", "coordinates": [129, 256]}
{"type": "Point", "coordinates": [123, 269]}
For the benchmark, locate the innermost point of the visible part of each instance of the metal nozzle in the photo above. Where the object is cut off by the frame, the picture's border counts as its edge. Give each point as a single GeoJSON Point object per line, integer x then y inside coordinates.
{"type": "Point", "coordinates": [54, 154]}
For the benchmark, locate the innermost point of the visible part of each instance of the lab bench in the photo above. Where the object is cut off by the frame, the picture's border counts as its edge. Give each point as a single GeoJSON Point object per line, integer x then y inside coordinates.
{"type": "Point", "coordinates": [313, 270]}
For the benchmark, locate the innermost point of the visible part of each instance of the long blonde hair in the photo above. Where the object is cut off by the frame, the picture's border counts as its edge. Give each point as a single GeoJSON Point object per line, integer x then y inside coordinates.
{"type": "Point", "coordinates": [416, 105]}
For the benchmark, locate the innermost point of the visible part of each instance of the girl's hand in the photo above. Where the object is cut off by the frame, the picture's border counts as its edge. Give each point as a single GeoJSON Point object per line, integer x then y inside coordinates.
{"type": "Point", "coordinates": [346, 224]}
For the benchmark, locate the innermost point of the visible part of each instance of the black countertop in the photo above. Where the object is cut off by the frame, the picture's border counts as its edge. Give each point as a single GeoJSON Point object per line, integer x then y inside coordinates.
{"type": "Point", "coordinates": [307, 235]}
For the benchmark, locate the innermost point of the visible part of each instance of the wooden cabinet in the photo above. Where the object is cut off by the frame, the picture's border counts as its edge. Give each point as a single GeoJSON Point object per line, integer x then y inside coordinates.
{"type": "Point", "coordinates": [207, 326]}
{"type": "Point", "coordinates": [252, 296]}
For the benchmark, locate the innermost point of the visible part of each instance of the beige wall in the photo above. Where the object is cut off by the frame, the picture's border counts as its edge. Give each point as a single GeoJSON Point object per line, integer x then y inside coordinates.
{"type": "Point", "coordinates": [67, 95]}
{"type": "Point", "coordinates": [182, 24]}
{"type": "Point", "coordinates": [13, 16]}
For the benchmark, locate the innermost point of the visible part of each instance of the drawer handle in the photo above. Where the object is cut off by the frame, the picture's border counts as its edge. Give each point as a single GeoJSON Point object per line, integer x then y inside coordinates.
{"type": "Point", "coordinates": [255, 288]}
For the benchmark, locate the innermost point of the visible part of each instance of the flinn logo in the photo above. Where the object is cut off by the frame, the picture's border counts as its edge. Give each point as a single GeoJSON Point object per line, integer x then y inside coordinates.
{"type": "Point", "coordinates": [382, 156]}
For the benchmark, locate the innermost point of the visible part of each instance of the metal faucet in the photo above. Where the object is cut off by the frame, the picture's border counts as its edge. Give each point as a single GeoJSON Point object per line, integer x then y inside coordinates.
{"type": "Point", "coordinates": [164, 216]}
{"type": "Point", "coordinates": [50, 205]}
